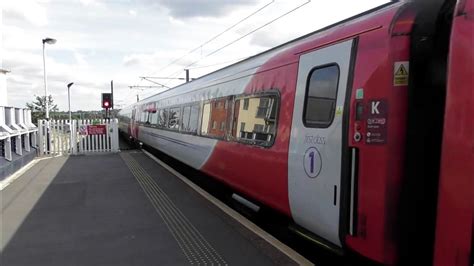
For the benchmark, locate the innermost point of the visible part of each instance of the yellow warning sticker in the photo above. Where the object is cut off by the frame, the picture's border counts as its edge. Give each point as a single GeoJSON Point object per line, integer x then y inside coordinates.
{"type": "Point", "coordinates": [401, 73]}
{"type": "Point", "coordinates": [339, 110]}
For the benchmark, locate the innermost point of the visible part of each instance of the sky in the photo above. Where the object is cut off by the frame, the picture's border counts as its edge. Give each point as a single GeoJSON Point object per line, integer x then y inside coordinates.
{"type": "Point", "coordinates": [123, 40]}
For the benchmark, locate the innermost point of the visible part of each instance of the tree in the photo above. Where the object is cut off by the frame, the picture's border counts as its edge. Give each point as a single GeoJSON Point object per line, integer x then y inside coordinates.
{"type": "Point", "coordinates": [38, 107]}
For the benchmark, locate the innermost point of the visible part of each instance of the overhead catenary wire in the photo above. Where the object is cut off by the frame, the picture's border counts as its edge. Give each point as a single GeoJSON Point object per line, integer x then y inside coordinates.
{"type": "Point", "coordinates": [214, 37]}
{"type": "Point", "coordinates": [161, 78]}
{"type": "Point", "coordinates": [141, 88]}
{"type": "Point", "coordinates": [145, 87]}
{"type": "Point", "coordinates": [216, 64]}
{"type": "Point", "coordinates": [152, 81]}
{"type": "Point", "coordinates": [247, 34]}
{"type": "Point", "coordinates": [241, 37]}
{"type": "Point", "coordinates": [172, 76]}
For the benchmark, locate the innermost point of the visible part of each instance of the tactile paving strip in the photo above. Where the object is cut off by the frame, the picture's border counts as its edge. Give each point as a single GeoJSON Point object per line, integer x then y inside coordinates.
{"type": "Point", "coordinates": [194, 246]}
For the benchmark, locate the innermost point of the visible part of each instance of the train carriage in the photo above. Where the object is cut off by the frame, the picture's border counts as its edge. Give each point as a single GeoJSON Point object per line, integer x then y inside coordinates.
{"type": "Point", "coordinates": [314, 128]}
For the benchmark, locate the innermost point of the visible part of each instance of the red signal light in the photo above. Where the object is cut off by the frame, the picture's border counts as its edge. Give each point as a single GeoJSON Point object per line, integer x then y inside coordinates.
{"type": "Point", "coordinates": [107, 101]}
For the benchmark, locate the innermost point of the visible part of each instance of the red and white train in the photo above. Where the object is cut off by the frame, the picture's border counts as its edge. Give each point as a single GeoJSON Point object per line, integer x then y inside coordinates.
{"type": "Point", "coordinates": [454, 243]}
{"type": "Point", "coordinates": [317, 128]}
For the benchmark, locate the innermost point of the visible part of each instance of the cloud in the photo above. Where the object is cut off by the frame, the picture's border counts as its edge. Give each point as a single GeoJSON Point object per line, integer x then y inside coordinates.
{"type": "Point", "coordinates": [132, 12]}
{"type": "Point", "coordinates": [88, 2]}
{"type": "Point", "coordinates": [80, 59]}
{"type": "Point", "coordinates": [26, 80]}
{"type": "Point", "coordinates": [31, 11]}
{"type": "Point", "coordinates": [158, 59]}
{"type": "Point", "coordinates": [140, 59]}
{"type": "Point", "coordinates": [268, 38]}
{"type": "Point", "coordinates": [183, 9]}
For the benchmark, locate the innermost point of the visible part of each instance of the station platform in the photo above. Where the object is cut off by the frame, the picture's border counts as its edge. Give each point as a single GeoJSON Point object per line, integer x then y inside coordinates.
{"type": "Point", "coordinates": [124, 209]}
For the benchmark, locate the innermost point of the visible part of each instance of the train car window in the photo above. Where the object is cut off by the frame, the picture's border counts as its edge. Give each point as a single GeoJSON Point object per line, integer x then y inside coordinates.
{"type": "Point", "coordinates": [163, 118]}
{"type": "Point", "coordinates": [235, 118]}
{"type": "Point", "coordinates": [321, 94]}
{"type": "Point", "coordinates": [147, 118]}
{"type": "Point", "coordinates": [206, 114]}
{"type": "Point", "coordinates": [173, 118]}
{"type": "Point", "coordinates": [149, 115]}
{"type": "Point", "coordinates": [255, 119]}
{"type": "Point", "coordinates": [194, 119]}
{"type": "Point", "coordinates": [185, 119]}
{"type": "Point", "coordinates": [214, 116]}
{"type": "Point", "coordinates": [143, 116]}
{"type": "Point", "coordinates": [153, 118]}
{"type": "Point", "coordinates": [219, 117]}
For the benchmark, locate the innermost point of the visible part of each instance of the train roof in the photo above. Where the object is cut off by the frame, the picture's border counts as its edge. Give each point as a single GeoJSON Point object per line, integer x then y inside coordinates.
{"type": "Point", "coordinates": [252, 61]}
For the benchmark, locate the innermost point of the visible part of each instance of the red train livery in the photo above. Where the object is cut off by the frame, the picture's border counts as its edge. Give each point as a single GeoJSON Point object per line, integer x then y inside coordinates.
{"type": "Point", "coordinates": [455, 217]}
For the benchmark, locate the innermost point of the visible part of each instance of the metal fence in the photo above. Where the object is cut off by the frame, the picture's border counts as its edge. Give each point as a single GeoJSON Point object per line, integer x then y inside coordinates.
{"type": "Point", "coordinates": [57, 137]}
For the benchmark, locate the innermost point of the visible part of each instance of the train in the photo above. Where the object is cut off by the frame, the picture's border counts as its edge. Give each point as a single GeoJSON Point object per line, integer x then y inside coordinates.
{"type": "Point", "coordinates": [343, 130]}
{"type": "Point", "coordinates": [454, 241]}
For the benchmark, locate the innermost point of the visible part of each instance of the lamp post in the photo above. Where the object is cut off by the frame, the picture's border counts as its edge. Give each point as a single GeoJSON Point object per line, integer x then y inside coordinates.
{"type": "Point", "coordinates": [71, 126]}
{"type": "Point", "coordinates": [69, 100]}
{"type": "Point", "coordinates": [48, 41]}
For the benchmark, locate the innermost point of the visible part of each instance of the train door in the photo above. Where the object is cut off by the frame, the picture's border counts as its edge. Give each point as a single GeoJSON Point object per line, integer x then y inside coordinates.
{"type": "Point", "coordinates": [315, 159]}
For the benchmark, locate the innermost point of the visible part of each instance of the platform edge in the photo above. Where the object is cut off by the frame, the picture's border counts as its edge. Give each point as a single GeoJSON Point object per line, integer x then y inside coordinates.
{"type": "Point", "coordinates": [292, 254]}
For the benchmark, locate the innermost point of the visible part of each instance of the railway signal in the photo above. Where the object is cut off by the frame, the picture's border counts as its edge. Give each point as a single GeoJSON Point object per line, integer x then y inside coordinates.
{"type": "Point", "coordinates": [107, 103]}
{"type": "Point", "coordinates": [107, 100]}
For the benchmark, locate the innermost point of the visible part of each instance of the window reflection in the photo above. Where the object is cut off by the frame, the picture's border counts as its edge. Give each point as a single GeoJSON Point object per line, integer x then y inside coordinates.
{"type": "Point", "coordinates": [255, 119]}
{"type": "Point", "coordinates": [206, 115]}
{"type": "Point", "coordinates": [173, 118]}
{"type": "Point", "coordinates": [247, 119]}
{"type": "Point", "coordinates": [215, 113]}
{"type": "Point", "coordinates": [194, 119]}
{"type": "Point", "coordinates": [185, 119]}
{"type": "Point", "coordinates": [162, 117]}
{"type": "Point", "coordinates": [321, 96]}
{"type": "Point", "coordinates": [153, 118]}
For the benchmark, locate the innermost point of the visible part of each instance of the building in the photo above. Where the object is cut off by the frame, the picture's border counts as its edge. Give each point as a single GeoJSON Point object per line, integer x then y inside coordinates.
{"type": "Point", "coordinates": [217, 126]}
